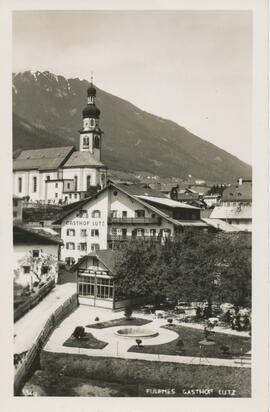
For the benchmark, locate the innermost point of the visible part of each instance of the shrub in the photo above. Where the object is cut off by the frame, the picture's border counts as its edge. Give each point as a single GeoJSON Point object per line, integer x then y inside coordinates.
{"type": "Point", "coordinates": [79, 332]}
{"type": "Point", "coordinates": [170, 321]}
{"type": "Point", "coordinates": [97, 319]}
{"type": "Point", "coordinates": [128, 313]}
{"type": "Point", "coordinates": [138, 341]}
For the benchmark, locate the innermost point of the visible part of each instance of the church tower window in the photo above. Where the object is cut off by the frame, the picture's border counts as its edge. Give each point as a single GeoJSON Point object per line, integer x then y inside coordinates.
{"type": "Point", "coordinates": [88, 182]}
{"type": "Point", "coordinates": [86, 141]}
{"type": "Point", "coordinates": [34, 184]}
{"type": "Point", "coordinates": [96, 142]}
{"type": "Point", "coordinates": [20, 184]}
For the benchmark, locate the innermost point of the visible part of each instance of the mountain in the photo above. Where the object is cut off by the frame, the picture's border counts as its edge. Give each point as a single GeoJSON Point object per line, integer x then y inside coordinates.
{"type": "Point", "coordinates": [47, 112]}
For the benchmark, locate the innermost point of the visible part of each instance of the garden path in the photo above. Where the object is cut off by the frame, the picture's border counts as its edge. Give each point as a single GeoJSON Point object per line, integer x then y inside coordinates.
{"type": "Point", "coordinates": [118, 346]}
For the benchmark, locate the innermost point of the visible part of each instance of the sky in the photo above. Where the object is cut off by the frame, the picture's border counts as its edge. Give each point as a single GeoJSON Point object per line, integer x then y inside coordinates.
{"type": "Point", "coordinates": [192, 67]}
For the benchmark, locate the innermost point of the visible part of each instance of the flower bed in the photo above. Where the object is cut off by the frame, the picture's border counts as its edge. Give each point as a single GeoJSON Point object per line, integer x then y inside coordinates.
{"type": "Point", "coordinates": [87, 342]}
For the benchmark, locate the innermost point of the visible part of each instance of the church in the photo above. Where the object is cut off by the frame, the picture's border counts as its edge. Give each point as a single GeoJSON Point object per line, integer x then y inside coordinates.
{"type": "Point", "coordinates": [61, 175]}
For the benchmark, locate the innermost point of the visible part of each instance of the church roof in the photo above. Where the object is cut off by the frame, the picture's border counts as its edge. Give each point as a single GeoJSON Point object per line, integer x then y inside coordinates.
{"type": "Point", "coordinates": [42, 159]}
{"type": "Point", "coordinates": [82, 159]}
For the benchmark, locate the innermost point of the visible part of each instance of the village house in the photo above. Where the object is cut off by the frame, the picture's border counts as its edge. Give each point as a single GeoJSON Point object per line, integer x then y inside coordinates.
{"type": "Point", "coordinates": [34, 249]}
{"type": "Point", "coordinates": [235, 206]}
{"type": "Point", "coordinates": [119, 213]}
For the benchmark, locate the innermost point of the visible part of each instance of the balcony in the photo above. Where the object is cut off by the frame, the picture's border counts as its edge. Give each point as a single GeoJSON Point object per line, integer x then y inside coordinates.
{"type": "Point", "coordinates": [126, 238]}
{"type": "Point", "coordinates": [135, 220]}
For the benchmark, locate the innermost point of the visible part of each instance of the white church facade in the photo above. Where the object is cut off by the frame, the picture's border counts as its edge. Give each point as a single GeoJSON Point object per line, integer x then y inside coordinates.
{"type": "Point", "coordinates": [62, 174]}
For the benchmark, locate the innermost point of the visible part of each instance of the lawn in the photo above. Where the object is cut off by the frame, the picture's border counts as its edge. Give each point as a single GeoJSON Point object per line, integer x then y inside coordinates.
{"type": "Point", "coordinates": [87, 342]}
{"type": "Point", "coordinates": [191, 338]}
{"type": "Point", "coordinates": [142, 373]}
{"type": "Point", "coordinates": [119, 322]}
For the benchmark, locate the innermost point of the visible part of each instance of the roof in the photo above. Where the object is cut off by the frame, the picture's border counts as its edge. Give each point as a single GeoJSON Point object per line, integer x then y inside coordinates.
{"type": "Point", "coordinates": [232, 212]}
{"type": "Point", "coordinates": [238, 193]}
{"type": "Point", "coordinates": [42, 159]}
{"type": "Point", "coordinates": [167, 202]}
{"type": "Point", "coordinates": [82, 159]}
{"type": "Point", "coordinates": [106, 257]}
{"type": "Point", "coordinates": [188, 196]}
{"type": "Point", "coordinates": [221, 224]}
{"type": "Point", "coordinates": [140, 189]}
{"type": "Point", "coordinates": [142, 201]}
{"type": "Point", "coordinates": [23, 235]}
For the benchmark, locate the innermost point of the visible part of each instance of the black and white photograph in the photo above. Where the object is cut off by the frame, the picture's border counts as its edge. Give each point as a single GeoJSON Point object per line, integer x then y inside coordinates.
{"type": "Point", "coordinates": [132, 150]}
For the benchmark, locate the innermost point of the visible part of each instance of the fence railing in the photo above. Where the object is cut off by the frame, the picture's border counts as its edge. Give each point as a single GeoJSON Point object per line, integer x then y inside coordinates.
{"type": "Point", "coordinates": [27, 364]}
{"type": "Point", "coordinates": [33, 300]}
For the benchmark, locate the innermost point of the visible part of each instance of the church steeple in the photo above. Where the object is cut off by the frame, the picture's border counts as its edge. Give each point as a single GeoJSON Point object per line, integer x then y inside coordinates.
{"type": "Point", "coordinates": [90, 135]}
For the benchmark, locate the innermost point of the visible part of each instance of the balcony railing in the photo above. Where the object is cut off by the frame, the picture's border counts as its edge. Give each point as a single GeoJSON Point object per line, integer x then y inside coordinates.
{"type": "Point", "coordinates": [125, 238]}
{"type": "Point", "coordinates": [135, 220]}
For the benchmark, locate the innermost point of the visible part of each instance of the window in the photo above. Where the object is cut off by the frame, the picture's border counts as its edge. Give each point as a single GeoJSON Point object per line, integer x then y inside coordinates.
{"type": "Point", "coordinates": [68, 185]}
{"type": "Point", "coordinates": [56, 195]}
{"type": "Point", "coordinates": [82, 246]}
{"type": "Point", "coordinates": [34, 184]}
{"type": "Point", "coordinates": [139, 213]}
{"type": "Point", "coordinates": [153, 232]}
{"type": "Point", "coordinates": [83, 213]}
{"type": "Point", "coordinates": [75, 196]}
{"type": "Point", "coordinates": [48, 177]}
{"type": "Point", "coordinates": [96, 142]}
{"type": "Point", "coordinates": [19, 184]}
{"type": "Point", "coordinates": [92, 122]}
{"type": "Point", "coordinates": [88, 181]}
{"type": "Point", "coordinates": [86, 141]}
{"type": "Point", "coordinates": [35, 253]}
{"type": "Point", "coordinates": [70, 232]}
{"type": "Point", "coordinates": [70, 195]}
{"type": "Point", "coordinates": [15, 214]}
{"type": "Point", "coordinates": [114, 213]}
{"type": "Point", "coordinates": [124, 233]}
{"type": "Point", "coordinates": [83, 232]}
{"type": "Point", "coordinates": [124, 213]}
{"type": "Point", "coordinates": [76, 183]}
{"type": "Point", "coordinates": [70, 245]}
{"type": "Point", "coordinates": [114, 231]}
{"type": "Point", "coordinates": [56, 185]}
{"type": "Point", "coordinates": [95, 246]}
{"type": "Point", "coordinates": [96, 214]}
{"type": "Point", "coordinates": [94, 232]}
{"type": "Point", "coordinates": [104, 288]}
{"type": "Point", "coordinates": [140, 232]}
{"type": "Point", "coordinates": [95, 262]}
{"type": "Point", "coordinates": [26, 269]}
{"type": "Point", "coordinates": [15, 202]}
{"type": "Point", "coordinates": [167, 232]}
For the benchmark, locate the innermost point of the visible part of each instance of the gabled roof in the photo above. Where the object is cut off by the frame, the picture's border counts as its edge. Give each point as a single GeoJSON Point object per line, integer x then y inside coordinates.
{"type": "Point", "coordinates": [82, 159]}
{"type": "Point", "coordinates": [140, 200]}
{"type": "Point", "coordinates": [42, 159]}
{"type": "Point", "coordinates": [25, 235]}
{"type": "Point", "coordinates": [106, 257]}
{"type": "Point", "coordinates": [140, 189]}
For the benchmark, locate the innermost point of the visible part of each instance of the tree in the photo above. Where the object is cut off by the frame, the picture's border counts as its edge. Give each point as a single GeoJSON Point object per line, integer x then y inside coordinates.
{"type": "Point", "coordinates": [134, 270]}
{"type": "Point", "coordinates": [40, 266]}
{"type": "Point", "coordinates": [194, 266]}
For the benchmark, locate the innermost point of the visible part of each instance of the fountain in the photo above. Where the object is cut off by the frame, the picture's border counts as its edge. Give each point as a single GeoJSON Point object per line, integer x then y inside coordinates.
{"type": "Point", "coordinates": [136, 332]}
